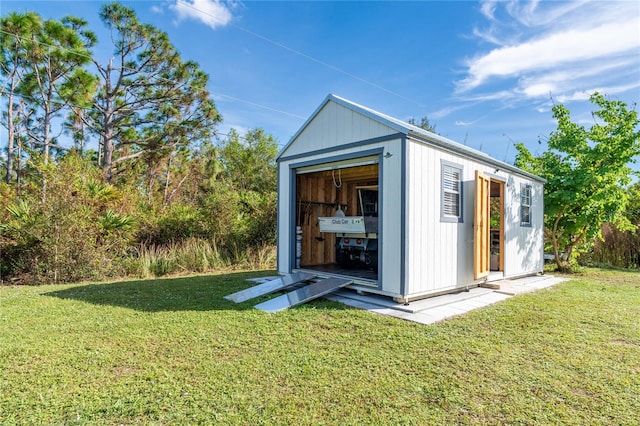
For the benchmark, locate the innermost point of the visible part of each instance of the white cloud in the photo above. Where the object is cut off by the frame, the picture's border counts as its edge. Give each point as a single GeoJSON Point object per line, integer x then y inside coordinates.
{"type": "Point", "coordinates": [608, 90]}
{"type": "Point", "coordinates": [500, 95]}
{"type": "Point", "coordinates": [213, 13]}
{"type": "Point", "coordinates": [487, 36]}
{"type": "Point", "coordinates": [544, 84]}
{"type": "Point", "coordinates": [441, 113]}
{"type": "Point", "coordinates": [558, 48]}
{"type": "Point", "coordinates": [488, 8]}
{"type": "Point", "coordinates": [536, 14]}
{"type": "Point", "coordinates": [465, 123]}
{"type": "Point", "coordinates": [582, 95]}
{"type": "Point", "coordinates": [554, 50]}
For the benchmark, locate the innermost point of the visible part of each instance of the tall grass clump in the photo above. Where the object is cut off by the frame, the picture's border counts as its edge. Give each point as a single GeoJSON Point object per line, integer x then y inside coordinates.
{"type": "Point", "coordinates": [254, 257]}
{"type": "Point", "coordinates": [261, 257]}
{"type": "Point", "coordinates": [197, 255]}
{"type": "Point", "coordinates": [150, 261]}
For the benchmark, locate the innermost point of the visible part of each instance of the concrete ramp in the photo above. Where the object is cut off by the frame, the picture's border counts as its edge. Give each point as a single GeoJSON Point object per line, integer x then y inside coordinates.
{"type": "Point", "coordinates": [270, 286]}
{"type": "Point", "coordinates": [304, 294]}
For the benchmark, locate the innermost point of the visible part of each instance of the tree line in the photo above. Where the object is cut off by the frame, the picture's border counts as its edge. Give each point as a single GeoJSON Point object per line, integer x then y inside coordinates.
{"type": "Point", "coordinates": [164, 193]}
{"type": "Point", "coordinates": [145, 102]}
{"type": "Point", "coordinates": [161, 183]}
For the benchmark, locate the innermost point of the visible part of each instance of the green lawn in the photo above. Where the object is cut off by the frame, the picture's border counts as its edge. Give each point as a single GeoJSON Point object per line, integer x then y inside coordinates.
{"type": "Point", "coordinates": [173, 351]}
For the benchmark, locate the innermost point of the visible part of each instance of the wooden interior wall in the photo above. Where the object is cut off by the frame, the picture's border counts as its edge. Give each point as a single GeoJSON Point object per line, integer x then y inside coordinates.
{"type": "Point", "coordinates": [318, 196]}
{"type": "Point", "coordinates": [497, 209]}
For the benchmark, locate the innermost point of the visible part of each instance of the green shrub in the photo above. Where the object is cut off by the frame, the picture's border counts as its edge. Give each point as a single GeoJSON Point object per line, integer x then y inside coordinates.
{"type": "Point", "coordinates": [74, 234]}
{"type": "Point", "coordinates": [177, 223]}
{"type": "Point", "coordinates": [65, 223]}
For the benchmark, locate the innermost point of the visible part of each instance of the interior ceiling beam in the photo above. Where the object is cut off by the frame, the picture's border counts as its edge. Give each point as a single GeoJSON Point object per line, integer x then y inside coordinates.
{"type": "Point", "coordinates": [352, 173]}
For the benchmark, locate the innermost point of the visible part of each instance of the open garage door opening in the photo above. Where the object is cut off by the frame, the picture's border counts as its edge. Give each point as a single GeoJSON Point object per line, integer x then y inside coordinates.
{"type": "Point", "coordinates": [337, 212]}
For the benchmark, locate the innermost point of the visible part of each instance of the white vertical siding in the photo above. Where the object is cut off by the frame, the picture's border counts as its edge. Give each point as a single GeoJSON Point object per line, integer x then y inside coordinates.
{"type": "Point", "coordinates": [390, 208]}
{"type": "Point", "coordinates": [440, 254]}
{"type": "Point", "coordinates": [285, 221]}
{"type": "Point", "coordinates": [524, 245]}
{"type": "Point", "coordinates": [391, 213]}
{"type": "Point", "coordinates": [336, 125]}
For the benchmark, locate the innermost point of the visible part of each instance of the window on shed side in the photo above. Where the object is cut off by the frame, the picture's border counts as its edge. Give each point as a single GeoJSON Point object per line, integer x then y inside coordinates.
{"type": "Point", "coordinates": [451, 193]}
{"type": "Point", "coordinates": [525, 205]}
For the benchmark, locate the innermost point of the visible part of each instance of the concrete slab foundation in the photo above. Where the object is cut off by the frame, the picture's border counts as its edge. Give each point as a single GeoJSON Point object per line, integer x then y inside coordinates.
{"type": "Point", "coordinates": [438, 308]}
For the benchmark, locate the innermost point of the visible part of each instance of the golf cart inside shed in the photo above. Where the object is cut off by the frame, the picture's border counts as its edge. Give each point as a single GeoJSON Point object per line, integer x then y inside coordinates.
{"type": "Point", "coordinates": [337, 218]}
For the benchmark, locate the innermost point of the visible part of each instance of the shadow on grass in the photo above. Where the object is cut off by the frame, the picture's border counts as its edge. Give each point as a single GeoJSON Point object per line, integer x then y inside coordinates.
{"type": "Point", "coordinates": [201, 293]}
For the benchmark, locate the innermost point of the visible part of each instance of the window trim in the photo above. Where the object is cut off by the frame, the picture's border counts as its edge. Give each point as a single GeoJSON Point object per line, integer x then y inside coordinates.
{"type": "Point", "coordinates": [444, 164]}
{"type": "Point", "coordinates": [525, 189]}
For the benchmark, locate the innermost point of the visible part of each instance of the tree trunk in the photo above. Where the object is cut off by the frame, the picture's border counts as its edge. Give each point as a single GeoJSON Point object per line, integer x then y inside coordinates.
{"type": "Point", "coordinates": [11, 137]}
{"type": "Point", "coordinates": [47, 143]}
{"type": "Point", "coordinates": [562, 265]}
{"type": "Point", "coordinates": [107, 138]}
{"type": "Point", "coordinates": [107, 159]}
{"type": "Point", "coordinates": [166, 184]}
{"type": "Point", "coordinates": [14, 78]}
{"type": "Point", "coordinates": [19, 169]}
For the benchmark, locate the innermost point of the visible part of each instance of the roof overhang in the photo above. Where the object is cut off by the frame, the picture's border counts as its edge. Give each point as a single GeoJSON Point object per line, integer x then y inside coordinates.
{"type": "Point", "coordinates": [448, 145]}
{"type": "Point", "coordinates": [413, 132]}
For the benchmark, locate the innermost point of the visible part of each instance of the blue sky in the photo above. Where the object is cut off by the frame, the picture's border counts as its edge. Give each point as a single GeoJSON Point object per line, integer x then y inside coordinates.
{"type": "Point", "coordinates": [484, 72]}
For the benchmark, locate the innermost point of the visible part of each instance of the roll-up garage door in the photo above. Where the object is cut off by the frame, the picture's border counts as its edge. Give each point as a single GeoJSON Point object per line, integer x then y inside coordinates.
{"type": "Point", "coordinates": [335, 165]}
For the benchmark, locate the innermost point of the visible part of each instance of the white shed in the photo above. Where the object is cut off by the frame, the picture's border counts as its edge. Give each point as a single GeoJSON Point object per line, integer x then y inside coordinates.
{"type": "Point", "coordinates": [401, 211]}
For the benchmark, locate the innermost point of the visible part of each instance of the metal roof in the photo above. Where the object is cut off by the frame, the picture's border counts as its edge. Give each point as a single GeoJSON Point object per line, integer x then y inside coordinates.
{"type": "Point", "coordinates": [412, 132]}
